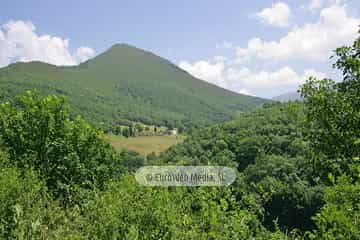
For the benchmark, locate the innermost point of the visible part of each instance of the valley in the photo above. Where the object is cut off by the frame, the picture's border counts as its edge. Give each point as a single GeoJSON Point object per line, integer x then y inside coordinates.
{"type": "Point", "coordinates": [145, 144]}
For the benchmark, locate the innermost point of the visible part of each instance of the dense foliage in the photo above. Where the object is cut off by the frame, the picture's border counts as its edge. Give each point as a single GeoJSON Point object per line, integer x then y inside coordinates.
{"type": "Point", "coordinates": [333, 117]}
{"type": "Point", "coordinates": [60, 179]}
{"type": "Point", "coordinates": [276, 181]}
{"type": "Point", "coordinates": [38, 134]}
{"type": "Point", "coordinates": [298, 172]}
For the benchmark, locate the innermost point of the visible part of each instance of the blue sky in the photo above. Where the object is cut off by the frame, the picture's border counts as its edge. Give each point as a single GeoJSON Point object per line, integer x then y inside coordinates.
{"type": "Point", "coordinates": [262, 48]}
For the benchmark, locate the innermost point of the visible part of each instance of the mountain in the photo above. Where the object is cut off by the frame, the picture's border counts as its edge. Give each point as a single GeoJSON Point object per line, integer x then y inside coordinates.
{"type": "Point", "coordinates": [286, 97]}
{"type": "Point", "coordinates": [126, 83]}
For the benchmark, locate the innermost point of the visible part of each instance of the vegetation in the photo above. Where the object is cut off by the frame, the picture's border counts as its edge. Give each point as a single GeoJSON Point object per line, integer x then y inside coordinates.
{"type": "Point", "coordinates": [276, 180]}
{"type": "Point", "coordinates": [138, 129]}
{"type": "Point", "coordinates": [125, 85]}
{"type": "Point", "coordinates": [145, 144]}
{"type": "Point", "coordinates": [298, 172]}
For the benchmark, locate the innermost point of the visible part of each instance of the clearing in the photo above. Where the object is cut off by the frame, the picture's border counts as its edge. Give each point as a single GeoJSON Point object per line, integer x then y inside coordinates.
{"type": "Point", "coordinates": [145, 144]}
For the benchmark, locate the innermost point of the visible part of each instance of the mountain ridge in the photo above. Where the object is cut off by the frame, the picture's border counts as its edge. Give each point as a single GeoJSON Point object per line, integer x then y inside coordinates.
{"type": "Point", "coordinates": [289, 96]}
{"type": "Point", "coordinates": [128, 83]}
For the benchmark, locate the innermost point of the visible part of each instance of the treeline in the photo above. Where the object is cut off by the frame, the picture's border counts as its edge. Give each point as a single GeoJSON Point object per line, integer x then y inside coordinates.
{"type": "Point", "coordinates": [139, 129]}
{"type": "Point", "coordinates": [298, 172]}
{"type": "Point", "coordinates": [128, 131]}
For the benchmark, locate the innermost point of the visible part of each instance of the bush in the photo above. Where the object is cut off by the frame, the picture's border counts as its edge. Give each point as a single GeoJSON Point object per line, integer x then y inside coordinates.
{"type": "Point", "coordinates": [68, 154]}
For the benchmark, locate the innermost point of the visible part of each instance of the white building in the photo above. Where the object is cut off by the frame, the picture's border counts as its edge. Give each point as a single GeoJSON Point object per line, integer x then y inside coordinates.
{"type": "Point", "coordinates": [173, 131]}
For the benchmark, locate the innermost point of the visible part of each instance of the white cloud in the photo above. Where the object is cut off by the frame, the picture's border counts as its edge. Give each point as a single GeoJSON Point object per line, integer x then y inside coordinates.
{"type": "Point", "coordinates": [284, 76]}
{"type": "Point", "coordinates": [220, 59]}
{"type": "Point", "coordinates": [278, 15]}
{"type": "Point", "coordinates": [205, 70]}
{"type": "Point", "coordinates": [244, 80]}
{"type": "Point", "coordinates": [3, 50]}
{"type": "Point", "coordinates": [315, 4]}
{"type": "Point", "coordinates": [311, 41]}
{"type": "Point", "coordinates": [245, 91]}
{"type": "Point", "coordinates": [20, 42]}
{"type": "Point", "coordinates": [83, 53]}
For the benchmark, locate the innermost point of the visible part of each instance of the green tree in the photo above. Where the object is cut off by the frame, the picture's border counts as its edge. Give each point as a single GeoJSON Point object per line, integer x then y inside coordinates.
{"type": "Point", "coordinates": [181, 129]}
{"type": "Point", "coordinates": [126, 209]}
{"type": "Point", "coordinates": [132, 131]}
{"type": "Point", "coordinates": [126, 132]}
{"type": "Point", "coordinates": [26, 211]}
{"type": "Point", "coordinates": [332, 113]}
{"type": "Point", "coordinates": [139, 127]}
{"type": "Point", "coordinates": [68, 154]}
{"type": "Point", "coordinates": [117, 130]}
{"type": "Point", "coordinates": [339, 218]}
{"type": "Point", "coordinates": [333, 119]}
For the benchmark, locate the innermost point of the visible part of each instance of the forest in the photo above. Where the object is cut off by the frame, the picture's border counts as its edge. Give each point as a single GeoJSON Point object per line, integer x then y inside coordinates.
{"type": "Point", "coordinates": [298, 171]}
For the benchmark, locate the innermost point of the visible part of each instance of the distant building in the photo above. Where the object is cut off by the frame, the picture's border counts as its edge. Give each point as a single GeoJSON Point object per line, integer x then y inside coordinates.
{"type": "Point", "coordinates": [173, 131]}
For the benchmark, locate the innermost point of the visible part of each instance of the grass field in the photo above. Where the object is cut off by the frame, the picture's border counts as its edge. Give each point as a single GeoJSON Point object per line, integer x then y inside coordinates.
{"type": "Point", "coordinates": [145, 144]}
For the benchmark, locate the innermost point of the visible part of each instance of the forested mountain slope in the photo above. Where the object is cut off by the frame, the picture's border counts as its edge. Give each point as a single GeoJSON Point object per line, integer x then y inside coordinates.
{"type": "Point", "coordinates": [127, 83]}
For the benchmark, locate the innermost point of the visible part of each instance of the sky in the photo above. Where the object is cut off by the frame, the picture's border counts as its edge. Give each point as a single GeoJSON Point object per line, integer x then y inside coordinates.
{"type": "Point", "coordinates": [262, 48]}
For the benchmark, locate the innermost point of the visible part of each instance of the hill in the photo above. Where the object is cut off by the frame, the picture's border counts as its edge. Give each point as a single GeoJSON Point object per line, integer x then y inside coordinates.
{"type": "Point", "coordinates": [126, 83]}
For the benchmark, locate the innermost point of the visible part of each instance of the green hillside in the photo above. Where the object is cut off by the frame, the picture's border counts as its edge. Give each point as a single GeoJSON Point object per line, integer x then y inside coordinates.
{"type": "Point", "coordinates": [126, 83]}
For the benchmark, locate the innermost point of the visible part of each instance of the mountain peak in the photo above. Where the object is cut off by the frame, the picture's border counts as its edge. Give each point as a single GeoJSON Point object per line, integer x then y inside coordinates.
{"type": "Point", "coordinates": [125, 47]}
{"type": "Point", "coordinates": [122, 45]}
{"type": "Point", "coordinates": [120, 52]}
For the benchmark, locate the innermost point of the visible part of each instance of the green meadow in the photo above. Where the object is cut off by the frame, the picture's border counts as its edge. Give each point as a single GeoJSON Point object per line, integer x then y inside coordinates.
{"type": "Point", "coordinates": [145, 144]}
